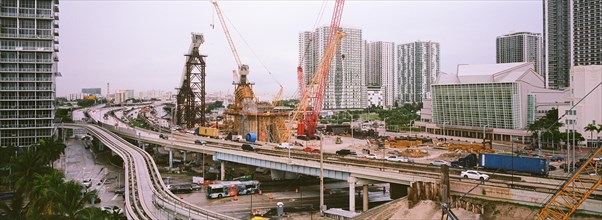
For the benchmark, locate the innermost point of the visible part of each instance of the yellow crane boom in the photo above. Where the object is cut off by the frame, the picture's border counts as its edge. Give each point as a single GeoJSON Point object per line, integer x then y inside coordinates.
{"type": "Point", "coordinates": [574, 192]}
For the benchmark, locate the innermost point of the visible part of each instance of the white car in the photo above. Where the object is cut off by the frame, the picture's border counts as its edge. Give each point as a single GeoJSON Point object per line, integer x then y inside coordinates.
{"type": "Point", "coordinates": [371, 156]}
{"type": "Point", "coordinates": [399, 159]}
{"type": "Point", "coordinates": [284, 146]}
{"type": "Point", "coordinates": [440, 163]}
{"type": "Point", "coordinates": [473, 174]}
{"type": "Point", "coordinates": [112, 209]}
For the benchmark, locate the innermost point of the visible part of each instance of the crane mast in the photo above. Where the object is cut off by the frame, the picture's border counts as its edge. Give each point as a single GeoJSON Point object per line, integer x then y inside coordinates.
{"type": "Point", "coordinates": [242, 69]}
{"type": "Point", "coordinates": [313, 93]}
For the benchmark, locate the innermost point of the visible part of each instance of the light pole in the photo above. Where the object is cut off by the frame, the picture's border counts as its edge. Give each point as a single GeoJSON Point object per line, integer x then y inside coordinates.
{"type": "Point", "coordinates": [321, 174]}
{"type": "Point", "coordinates": [411, 126]}
{"type": "Point", "coordinates": [484, 127]}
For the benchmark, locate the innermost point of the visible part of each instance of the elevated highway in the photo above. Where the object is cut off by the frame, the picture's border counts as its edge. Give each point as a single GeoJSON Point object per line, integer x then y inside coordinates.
{"type": "Point", "coordinates": [147, 195]}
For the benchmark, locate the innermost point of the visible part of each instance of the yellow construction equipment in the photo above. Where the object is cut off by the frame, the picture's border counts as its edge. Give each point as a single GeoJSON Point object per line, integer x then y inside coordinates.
{"type": "Point", "coordinates": [575, 191]}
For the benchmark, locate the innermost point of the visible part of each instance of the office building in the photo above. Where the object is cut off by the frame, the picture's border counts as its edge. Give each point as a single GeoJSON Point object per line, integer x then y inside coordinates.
{"type": "Point", "coordinates": [583, 81]}
{"type": "Point", "coordinates": [571, 37]}
{"type": "Point", "coordinates": [380, 69]}
{"type": "Point", "coordinates": [92, 91]}
{"type": "Point", "coordinates": [498, 100]}
{"type": "Point", "coordinates": [28, 67]}
{"type": "Point", "coordinates": [521, 47]}
{"type": "Point", "coordinates": [346, 84]}
{"type": "Point", "coordinates": [417, 66]}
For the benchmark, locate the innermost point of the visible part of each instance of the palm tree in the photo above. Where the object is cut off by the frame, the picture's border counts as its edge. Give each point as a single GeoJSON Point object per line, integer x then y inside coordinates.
{"type": "Point", "coordinates": [598, 130]}
{"type": "Point", "coordinates": [94, 213]}
{"type": "Point", "coordinates": [25, 168]}
{"type": "Point", "coordinates": [43, 195]}
{"type": "Point", "coordinates": [51, 150]}
{"type": "Point", "coordinates": [71, 200]}
{"type": "Point", "coordinates": [591, 128]}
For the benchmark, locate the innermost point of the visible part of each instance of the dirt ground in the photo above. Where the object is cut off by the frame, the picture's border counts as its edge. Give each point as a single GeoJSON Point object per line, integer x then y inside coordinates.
{"type": "Point", "coordinates": [429, 210]}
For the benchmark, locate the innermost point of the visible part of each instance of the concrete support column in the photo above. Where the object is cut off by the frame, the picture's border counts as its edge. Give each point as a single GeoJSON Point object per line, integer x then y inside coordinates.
{"type": "Point", "coordinates": [351, 180]}
{"type": "Point", "coordinates": [223, 170]}
{"type": "Point", "coordinates": [170, 159]}
{"type": "Point", "coordinates": [198, 156]}
{"type": "Point", "coordinates": [365, 194]}
{"type": "Point", "coordinates": [185, 152]}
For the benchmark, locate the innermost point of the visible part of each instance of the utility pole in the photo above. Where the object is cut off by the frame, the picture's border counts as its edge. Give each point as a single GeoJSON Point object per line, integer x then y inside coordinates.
{"type": "Point", "coordinates": [539, 141]}
{"type": "Point", "coordinates": [321, 174]}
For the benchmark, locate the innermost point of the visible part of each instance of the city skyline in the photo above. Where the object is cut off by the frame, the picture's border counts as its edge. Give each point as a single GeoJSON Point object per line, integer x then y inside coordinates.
{"type": "Point", "coordinates": [133, 42]}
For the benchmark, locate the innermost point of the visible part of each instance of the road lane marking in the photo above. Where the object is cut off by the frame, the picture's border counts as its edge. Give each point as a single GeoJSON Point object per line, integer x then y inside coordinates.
{"type": "Point", "coordinates": [114, 197]}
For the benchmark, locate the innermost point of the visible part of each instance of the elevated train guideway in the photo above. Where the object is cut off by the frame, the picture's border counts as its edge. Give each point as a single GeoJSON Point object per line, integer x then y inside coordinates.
{"type": "Point", "coordinates": [147, 197]}
{"type": "Point", "coordinates": [523, 189]}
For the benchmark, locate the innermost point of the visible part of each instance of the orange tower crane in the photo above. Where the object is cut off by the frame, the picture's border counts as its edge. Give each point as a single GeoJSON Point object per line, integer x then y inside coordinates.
{"type": "Point", "coordinates": [313, 93]}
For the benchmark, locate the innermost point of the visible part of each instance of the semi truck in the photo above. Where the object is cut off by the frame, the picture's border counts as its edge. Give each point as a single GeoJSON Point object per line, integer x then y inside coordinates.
{"type": "Point", "coordinates": [502, 162]}
{"type": "Point", "coordinates": [467, 161]}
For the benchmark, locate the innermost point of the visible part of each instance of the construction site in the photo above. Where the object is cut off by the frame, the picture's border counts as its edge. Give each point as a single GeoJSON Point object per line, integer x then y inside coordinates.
{"type": "Point", "coordinates": [266, 122]}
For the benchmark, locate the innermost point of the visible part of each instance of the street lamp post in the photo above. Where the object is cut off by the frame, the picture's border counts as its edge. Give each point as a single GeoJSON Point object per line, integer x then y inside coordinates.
{"type": "Point", "coordinates": [321, 174]}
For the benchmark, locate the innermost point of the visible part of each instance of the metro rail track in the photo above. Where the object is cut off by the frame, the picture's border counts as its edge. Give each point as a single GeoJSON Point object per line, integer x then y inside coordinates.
{"type": "Point", "coordinates": [147, 196]}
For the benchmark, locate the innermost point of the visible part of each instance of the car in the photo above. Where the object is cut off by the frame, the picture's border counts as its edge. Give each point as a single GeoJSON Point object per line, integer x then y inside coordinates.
{"type": "Point", "coordinates": [284, 146]}
{"type": "Point", "coordinates": [473, 174]}
{"type": "Point", "coordinates": [201, 142]}
{"type": "Point", "coordinates": [186, 188]}
{"type": "Point", "coordinates": [343, 152]}
{"type": "Point", "coordinates": [312, 150]}
{"type": "Point", "coordinates": [162, 136]}
{"type": "Point", "coordinates": [557, 158]}
{"type": "Point", "coordinates": [393, 158]}
{"type": "Point", "coordinates": [371, 156]}
{"type": "Point", "coordinates": [87, 182]}
{"type": "Point", "coordinates": [249, 147]}
{"type": "Point", "coordinates": [195, 187]}
{"type": "Point", "coordinates": [112, 209]}
{"type": "Point", "coordinates": [440, 163]}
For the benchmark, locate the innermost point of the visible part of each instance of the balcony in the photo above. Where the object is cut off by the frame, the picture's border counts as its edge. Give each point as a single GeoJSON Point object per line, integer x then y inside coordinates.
{"type": "Point", "coordinates": [9, 69]}
{"type": "Point", "coordinates": [56, 32]}
{"type": "Point", "coordinates": [27, 79]}
{"type": "Point", "coordinates": [9, 79]}
{"type": "Point", "coordinates": [8, 116]}
{"type": "Point", "coordinates": [8, 88]}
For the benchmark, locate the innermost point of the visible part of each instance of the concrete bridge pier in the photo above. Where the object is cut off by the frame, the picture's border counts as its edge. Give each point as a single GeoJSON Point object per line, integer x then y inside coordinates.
{"type": "Point", "coordinates": [351, 180]}
{"type": "Point", "coordinates": [365, 199]}
{"type": "Point", "coordinates": [170, 158]}
{"type": "Point", "coordinates": [398, 190]}
{"type": "Point", "coordinates": [222, 170]}
{"type": "Point", "coordinates": [185, 152]}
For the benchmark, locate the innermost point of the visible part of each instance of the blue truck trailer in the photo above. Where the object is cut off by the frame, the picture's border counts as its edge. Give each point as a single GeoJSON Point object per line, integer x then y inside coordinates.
{"type": "Point", "coordinates": [532, 165]}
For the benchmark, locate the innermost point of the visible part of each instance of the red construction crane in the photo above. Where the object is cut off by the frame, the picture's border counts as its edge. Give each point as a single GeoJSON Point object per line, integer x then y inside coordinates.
{"type": "Point", "coordinates": [313, 93]}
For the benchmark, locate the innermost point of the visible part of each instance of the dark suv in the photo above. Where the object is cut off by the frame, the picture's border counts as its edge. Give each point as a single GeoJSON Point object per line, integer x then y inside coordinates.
{"type": "Point", "coordinates": [343, 152]}
{"type": "Point", "coordinates": [249, 147]}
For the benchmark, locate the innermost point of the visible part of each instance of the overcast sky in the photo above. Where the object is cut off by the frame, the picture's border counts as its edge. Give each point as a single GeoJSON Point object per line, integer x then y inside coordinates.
{"type": "Point", "coordinates": [140, 44]}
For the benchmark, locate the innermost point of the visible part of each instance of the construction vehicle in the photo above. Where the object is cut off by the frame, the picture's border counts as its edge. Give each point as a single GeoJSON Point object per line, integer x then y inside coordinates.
{"type": "Point", "coordinates": [338, 141]}
{"type": "Point", "coordinates": [574, 191]}
{"type": "Point", "coordinates": [313, 94]}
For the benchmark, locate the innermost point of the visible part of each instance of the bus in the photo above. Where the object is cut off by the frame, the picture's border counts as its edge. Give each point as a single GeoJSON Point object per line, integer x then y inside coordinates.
{"type": "Point", "coordinates": [231, 188]}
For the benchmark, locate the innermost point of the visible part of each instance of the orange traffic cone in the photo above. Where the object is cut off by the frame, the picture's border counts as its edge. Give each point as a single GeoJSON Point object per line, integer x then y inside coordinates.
{"type": "Point", "coordinates": [235, 198]}
{"type": "Point", "coordinates": [297, 190]}
{"type": "Point", "coordinates": [271, 197]}
{"type": "Point", "coordinates": [181, 196]}
{"type": "Point", "coordinates": [260, 192]}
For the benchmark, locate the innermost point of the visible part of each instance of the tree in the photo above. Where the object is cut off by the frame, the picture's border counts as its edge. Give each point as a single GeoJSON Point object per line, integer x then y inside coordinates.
{"type": "Point", "coordinates": [591, 128]}
{"type": "Point", "coordinates": [14, 210]}
{"type": "Point", "coordinates": [71, 198]}
{"type": "Point", "coordinates": [549, 125]}
{"type": "Point", "coordinates": [25, 168]}
{"type": "Point", "coordinates": [51, 150]}
{"type": "Point", "coordinates": [43, 194]}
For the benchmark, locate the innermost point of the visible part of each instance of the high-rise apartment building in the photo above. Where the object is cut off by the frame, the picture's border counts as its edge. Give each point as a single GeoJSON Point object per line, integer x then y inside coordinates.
{"type": "Point", "coordinates": [521, 47]}
{"type": "Point", "coordinates": [417, 66]}
{"type": "Point", "coordinates": [572, 38]}
{"type": "Point", "coordinates": [587, 32]}
{"type": "Point", "coordinates": [28, 66]}
{"type": "Point", "coordinates": [346, 84]}
{"type": "Point", "coordinates": [380, 69]}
